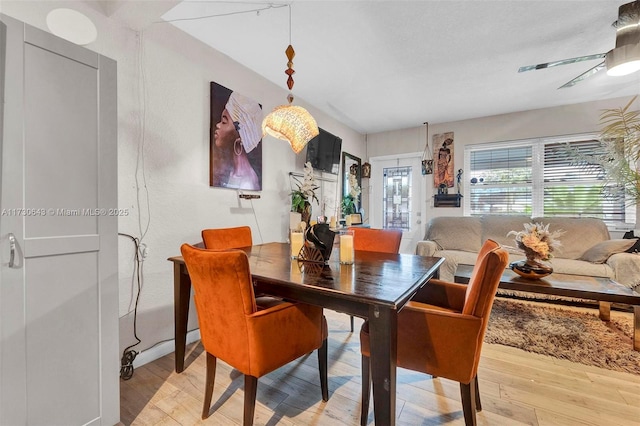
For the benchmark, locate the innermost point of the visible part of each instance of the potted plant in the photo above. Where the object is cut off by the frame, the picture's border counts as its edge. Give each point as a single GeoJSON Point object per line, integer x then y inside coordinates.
{"type": "Point", "coordinates": [349, 201]}
{"type": "Point", "coordinates": [621, 137]}
{"type": "Point", "coordinates": [619, 160]}
{"type": "Point", "coordinates": [300, 197]}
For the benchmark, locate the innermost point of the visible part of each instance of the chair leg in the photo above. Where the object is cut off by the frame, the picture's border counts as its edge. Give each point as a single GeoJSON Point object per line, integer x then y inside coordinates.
{"type": "Point", "coordinates": [250, 390]}
{"type": "Point", "coordinates": [352, 323]}
{"type": "Point", "coordinates": [468, 394]}
{"type": "Point", "coordinates": [366, 390]}
{"type": "Point", "coordinates": [478, 403]}
{"type": "Point", "coordinates": [322, 367]}
{"type": "Point", "coordinates": [208, 387]}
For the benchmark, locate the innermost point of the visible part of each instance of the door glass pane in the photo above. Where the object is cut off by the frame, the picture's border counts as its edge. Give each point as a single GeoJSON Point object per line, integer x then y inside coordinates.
{"type": "Point", "coordinates": [396, 198]}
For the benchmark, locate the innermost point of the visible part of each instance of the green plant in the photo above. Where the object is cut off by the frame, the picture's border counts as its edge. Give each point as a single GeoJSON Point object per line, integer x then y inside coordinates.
{"type": "Point", "coordinates": [306, 190]}
{"type": "Point", "coordinates": [348, 204]}
{"type": "Point", "coordinates": [620, 140]}
{"type": "Point", "coordinates": [621, 137]}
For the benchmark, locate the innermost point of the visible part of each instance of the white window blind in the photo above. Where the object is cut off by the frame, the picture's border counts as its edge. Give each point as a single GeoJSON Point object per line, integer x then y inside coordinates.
{"type": "Point", "coordinates": [540, 177]}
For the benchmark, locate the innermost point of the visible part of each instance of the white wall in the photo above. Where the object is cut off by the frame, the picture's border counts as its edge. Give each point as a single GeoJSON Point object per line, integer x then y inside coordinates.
{"type": "Point", "coordinates": [163, 154]}
{"type": "Point", "coordinates": [558, 121]}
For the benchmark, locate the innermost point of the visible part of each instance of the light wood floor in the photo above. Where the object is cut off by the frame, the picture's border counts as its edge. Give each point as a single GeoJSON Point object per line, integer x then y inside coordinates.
{"type": "Point", "coordinates": [516, 388]}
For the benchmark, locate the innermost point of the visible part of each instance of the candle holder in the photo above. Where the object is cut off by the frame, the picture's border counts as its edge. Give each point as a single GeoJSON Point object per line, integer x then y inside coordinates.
{"type": "Point", "coordinates": [297, 241]}
{"type": "Point", "coordinates": [347, 252]}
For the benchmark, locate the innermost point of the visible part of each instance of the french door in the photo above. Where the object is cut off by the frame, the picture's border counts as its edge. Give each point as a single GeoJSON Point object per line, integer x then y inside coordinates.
{"type": "Point", "coordinates": [397, 197]}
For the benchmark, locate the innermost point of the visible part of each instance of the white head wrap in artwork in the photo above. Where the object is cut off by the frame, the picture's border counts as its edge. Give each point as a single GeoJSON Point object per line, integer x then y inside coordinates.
{"type": "Point", "coordinates": [248, 115]}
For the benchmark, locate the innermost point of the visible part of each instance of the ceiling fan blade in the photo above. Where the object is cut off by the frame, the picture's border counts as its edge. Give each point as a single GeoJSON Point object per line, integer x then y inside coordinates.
{"type": "Point", "coordinates": [561, 62]}
{"type": "Point", "coordinates": [584, 75]}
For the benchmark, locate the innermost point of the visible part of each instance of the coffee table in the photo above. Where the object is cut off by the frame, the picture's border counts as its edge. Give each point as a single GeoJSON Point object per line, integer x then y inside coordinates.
{"type": "Point", "coordinates": [603, 290]}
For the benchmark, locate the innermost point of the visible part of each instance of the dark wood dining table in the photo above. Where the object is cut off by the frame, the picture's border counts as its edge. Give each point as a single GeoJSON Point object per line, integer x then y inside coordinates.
{"type": "Point", "coordinates": [376, 287]}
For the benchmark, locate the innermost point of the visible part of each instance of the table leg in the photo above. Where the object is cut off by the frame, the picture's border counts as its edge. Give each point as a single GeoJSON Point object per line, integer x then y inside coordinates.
{"type": "Point", "coordinates": [605, 311]}
{"type": "Point", "coordinates": [181, 296]}
{"type": "Point", "coordinates": [636, 328]}
{"type": "Point", "coordinates": [383, 334]}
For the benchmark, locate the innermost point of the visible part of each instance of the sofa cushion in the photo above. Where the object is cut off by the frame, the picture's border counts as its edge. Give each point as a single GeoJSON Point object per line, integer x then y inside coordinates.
{"type": "Point", "coordinates": [579, 235]}
{"type": "Point", "coordinates": [496, 228]}
{"type": "Point", "coordinates": [581, 267]}
{"type": "Point", "coordinates": [456, 233]}
{"type": "Point", "coordinates": [601, 251]}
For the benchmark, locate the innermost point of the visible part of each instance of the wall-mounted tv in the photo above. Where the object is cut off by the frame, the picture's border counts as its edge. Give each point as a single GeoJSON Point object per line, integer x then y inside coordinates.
{"type": "Point", "coordinates": [323, 152]}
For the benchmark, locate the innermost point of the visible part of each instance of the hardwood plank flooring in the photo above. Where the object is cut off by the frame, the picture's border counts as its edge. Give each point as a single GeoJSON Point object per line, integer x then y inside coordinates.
{"type": "Point", "coordinates": [517, 388]}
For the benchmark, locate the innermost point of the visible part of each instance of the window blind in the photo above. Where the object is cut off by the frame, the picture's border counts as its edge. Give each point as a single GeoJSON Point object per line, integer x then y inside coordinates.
{"type": "Point", "coordinates": [550, 176]}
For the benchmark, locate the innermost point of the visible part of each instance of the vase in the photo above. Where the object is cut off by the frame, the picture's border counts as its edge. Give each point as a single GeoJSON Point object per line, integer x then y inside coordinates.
{"type": "Point", "coordinates": [531, 269]}
{"type": "Point", "coordinates": [306, 213]}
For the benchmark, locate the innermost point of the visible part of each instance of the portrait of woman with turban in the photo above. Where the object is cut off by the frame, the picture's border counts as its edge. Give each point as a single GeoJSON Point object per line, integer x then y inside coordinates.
{"type": "Point", "coordinates": [236, 140]}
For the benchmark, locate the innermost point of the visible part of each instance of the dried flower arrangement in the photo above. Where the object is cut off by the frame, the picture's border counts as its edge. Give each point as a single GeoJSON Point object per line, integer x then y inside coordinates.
{"type": "Point", "coordinates": [536, 241]}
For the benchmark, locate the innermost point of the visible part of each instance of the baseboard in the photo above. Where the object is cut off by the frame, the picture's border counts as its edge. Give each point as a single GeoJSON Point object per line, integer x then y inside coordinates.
{"type": "Point", "coordinates": [162, 349]}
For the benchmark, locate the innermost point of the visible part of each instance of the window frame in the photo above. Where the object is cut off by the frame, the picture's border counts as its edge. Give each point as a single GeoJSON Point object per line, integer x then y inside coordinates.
{"type": "Point", "coordinates": [537, 170]}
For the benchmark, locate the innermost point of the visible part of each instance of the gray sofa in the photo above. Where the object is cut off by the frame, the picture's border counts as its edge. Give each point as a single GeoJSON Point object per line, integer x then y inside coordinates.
{"type": "Point", "coordinates": [458, 240]}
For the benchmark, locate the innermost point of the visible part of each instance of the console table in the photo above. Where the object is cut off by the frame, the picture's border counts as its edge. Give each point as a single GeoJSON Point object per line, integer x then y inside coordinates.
{"type": "Point", "coordinates": [603, 290]}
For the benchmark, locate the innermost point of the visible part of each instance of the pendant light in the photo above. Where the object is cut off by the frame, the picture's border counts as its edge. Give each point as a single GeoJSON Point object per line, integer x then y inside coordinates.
{"type": "Point", "coordinates": [290, 122]}
{"type": "Point", "coordinates": [427, 159]}
{"type": "Point", "coordinates": [366, 167]}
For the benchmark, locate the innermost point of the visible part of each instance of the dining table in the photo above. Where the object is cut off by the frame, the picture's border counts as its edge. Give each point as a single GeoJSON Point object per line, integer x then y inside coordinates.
{"type": "Point", "coordinates": [375, 287]}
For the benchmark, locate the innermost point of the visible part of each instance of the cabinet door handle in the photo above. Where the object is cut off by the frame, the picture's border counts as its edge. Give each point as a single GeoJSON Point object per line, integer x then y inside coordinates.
{"type": "Point", "coordinates": [12, 250]}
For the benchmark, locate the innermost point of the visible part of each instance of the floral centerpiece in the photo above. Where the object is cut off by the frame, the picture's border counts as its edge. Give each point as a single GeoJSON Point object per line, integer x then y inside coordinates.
{"type": "Point", "coordinates": [349, 200]}
{"type": "Point", "coordinates": [300, 198]}
{"type": "Point", "coordinates": [538, 244]}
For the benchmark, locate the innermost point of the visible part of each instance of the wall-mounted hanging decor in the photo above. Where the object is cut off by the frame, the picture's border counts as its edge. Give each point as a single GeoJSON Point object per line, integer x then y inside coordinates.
{"type": "Point", "coordinates": [427, 159]}
{"type": "Point", "coordinates": [444, 175]}
{"type": "Point", "coordinates": [235, 140]}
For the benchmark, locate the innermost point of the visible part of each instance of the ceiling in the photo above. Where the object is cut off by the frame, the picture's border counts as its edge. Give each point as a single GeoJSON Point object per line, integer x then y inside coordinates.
{"type": "Point", "coordinates": [387, 65]}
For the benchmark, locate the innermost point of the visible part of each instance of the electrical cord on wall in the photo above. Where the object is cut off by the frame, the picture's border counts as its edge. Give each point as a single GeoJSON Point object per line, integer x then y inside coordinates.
{"type": "Point", "coordinates": [129, 355]}
{"type": "Point", "coordinates": [140, 165]}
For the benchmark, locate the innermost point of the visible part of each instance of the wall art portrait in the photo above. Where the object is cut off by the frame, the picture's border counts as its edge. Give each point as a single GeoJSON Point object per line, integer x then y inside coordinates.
{"type": "Point", "coordinates": [235, 140]}
{"type": "Point", "coordinates": [444, 175]}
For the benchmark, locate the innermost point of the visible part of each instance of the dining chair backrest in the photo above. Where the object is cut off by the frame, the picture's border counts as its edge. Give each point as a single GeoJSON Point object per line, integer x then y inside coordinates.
{"type": "Point", "coordinates": [377, 240]}
{"type": "Point", "coordinates": [485, 279]}
{"type": "Point", "coordinates": [224, 298]}
{"type": "Point", "coordinates": [227, 238]}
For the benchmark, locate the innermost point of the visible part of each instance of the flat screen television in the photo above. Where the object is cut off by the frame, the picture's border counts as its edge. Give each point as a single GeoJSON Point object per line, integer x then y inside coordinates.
{"type": "Point", "coordinates": [323, 152]}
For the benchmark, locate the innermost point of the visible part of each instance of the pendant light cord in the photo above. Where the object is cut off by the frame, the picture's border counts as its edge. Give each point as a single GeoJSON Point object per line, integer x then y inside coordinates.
{"type": "Point", "coordinates": [289, 23]}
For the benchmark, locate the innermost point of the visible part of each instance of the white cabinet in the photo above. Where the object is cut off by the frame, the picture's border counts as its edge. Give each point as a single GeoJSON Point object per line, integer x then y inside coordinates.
{"type": "Point", "coordinates": [58, 285]}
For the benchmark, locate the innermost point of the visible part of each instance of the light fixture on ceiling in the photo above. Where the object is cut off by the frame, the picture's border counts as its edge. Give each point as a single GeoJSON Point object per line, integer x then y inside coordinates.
{"type": "Point", "coordinates": [625, 57]}
{"type": "Point", "coordinates": [72, 25]}
{"type": "Point", "coordinates": [289, 122]}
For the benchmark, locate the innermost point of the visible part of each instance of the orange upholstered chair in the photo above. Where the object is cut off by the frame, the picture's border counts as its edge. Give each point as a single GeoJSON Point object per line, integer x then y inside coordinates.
{"type": "Point", "coordinates": [227, 238]}
{"type": "Point", "coordinates": [440, 331]}
{"type": "Point", "coordinates": [253, 341]}
{"type": "Point", "coordinates": [234, 238]}
{"type": "Point", "coordinates": [378, 240]}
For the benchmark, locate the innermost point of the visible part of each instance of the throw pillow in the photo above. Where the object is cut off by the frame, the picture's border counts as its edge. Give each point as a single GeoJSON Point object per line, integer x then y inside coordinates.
{"type": "Point", "coordinates": [601, 251]}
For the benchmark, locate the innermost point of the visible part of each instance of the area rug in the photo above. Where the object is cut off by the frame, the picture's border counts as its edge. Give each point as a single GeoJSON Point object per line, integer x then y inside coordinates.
{"type": "Point", "coordinates": [576, 336]}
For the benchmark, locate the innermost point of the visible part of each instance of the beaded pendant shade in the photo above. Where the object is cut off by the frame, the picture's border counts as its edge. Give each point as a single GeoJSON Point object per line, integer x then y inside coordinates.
{"type": "Point", "coordinates": [289, 122]}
